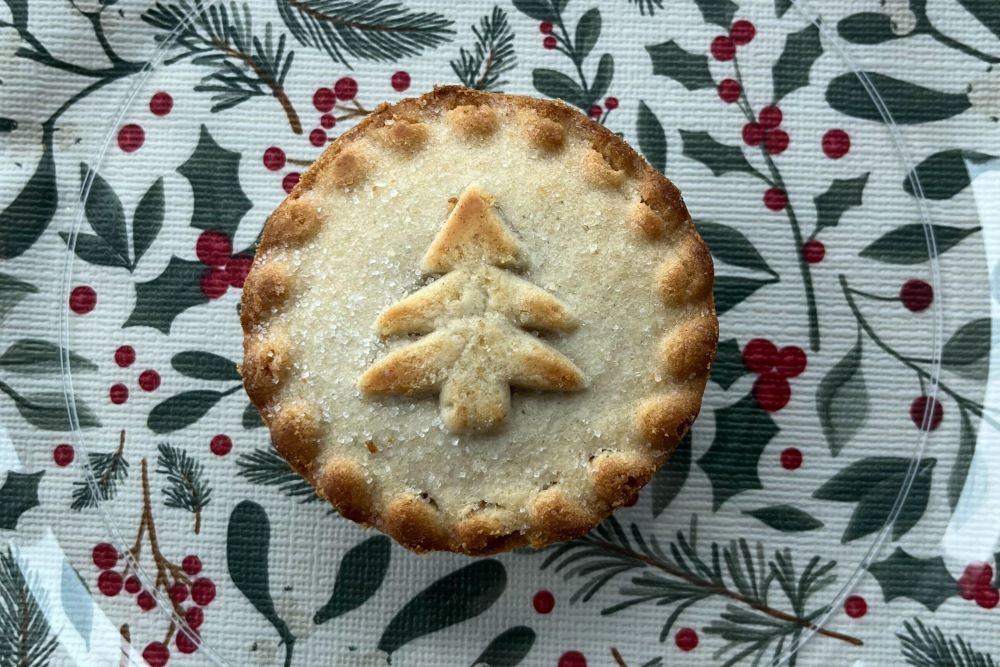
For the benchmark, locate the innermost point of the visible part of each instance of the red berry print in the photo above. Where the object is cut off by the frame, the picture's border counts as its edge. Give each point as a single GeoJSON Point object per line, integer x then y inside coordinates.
{"type": "Point", "coordinates": [221, 445]}
{"type": "Point", "coordinates": [686, 639]}
{"type": "Point", "coordinates": [317, 137]}
{"type": "Point", "coordinates": [125, 356]}
{"type": "Point", "coordinates": [161, 103]}
{"type": "Point", "coordinates": [920, 406]}
{"type": "Point", "coordinates": [324, 99]}
{"type": "Point", "coordinates": [545, 27]}
{"type": "Point", "coordinates": [987, 598]}
{"type": "Point", "coordinates": [742, 32]}
{"type": "Point", "coordinates": [776, 142]}
{"type": "Point", "coordinates": [274, 159]}
{"type": "Point", "coordinates": [723, 49]}
{"type": "Point", "coordinates": [109, 583]}
{"type": "Point", "coordinates": [572, 659]}
{"type": "Point", "coordinates": [104, 555]}
{"type": "Point", "coordinates": [213, 248]}
{"type": "Point", "coordinates": [194, 617]}
{"type": "Point", "coordinates": [791, 361]}
{"type": "Point", "coordinates": [729, 90]}
{"type": "Point", "coordinates": [214, 283]}
{"type": "Point", "coordinates": [760, 355]}
{"type": "Point", "coordinates": [202, 592]}
{"type": "Point", "coordinates": [611, 103]}
{"type": "Point", "coordinates": [543, 602]}
{"type": "Point", "coordinates": [549, 42]}
{"type": "Point", "coordinates": [855, 606]}
{"type": "Point", "coordinates": [82, 299]}
{"type": "Point", "coordinates": [290, 180]}
{"type": "Point", "coordinates": [149, 380]}
{"type": "Point", "coordinates": [145, 601]}
{"type": "Point", "coordinates": [976, 577]}
{"type": "Point", "coordinates": [133, 585]}
{"type": "Point", "coordinates": [771, 391]}
{"type": "Point", "coordinates": [916, 295]}
{"type": "Point", "coordinates": [187, 643]}
{"type": "Point", "coordinates": [791, 458]}
{"type": "Point", "coordinates": [400, 81]}
{"type": "Point", "coordinates": [131, 137]}
{"type": "Point", "coordinates": [63, 454]}
{"type": "Point", "coordinates": [156, 654]}
{"type": "Point", "coordinates": [753, 134]}
{"type": "Point", "coordinates": [345, 88]}
{"type": "Point", "coordinates": [595, 111]}
{"type": "Point", "coordinates": [836, 144]}
{"type": "Point", "coordinates": [118, 393]}
{"type": "Point", "coordinates": [178, 593]}
{"type": "Point", "coordinates": [237, 270]}
{"type": "Point", "coordinates": [327, 120]}
{"type": "Point", "coordinates": [770, 117]}
{"type": "Point", "coordinates": [191, 565]}
{"type": "Point", "coordinates": [813, 251]}
{"type": "Point", "coordinates": [775, 199]}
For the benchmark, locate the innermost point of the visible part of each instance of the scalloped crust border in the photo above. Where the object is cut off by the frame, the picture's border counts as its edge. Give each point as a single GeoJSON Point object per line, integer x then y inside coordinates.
{"type": "Point", "coordinates": [684, 281]}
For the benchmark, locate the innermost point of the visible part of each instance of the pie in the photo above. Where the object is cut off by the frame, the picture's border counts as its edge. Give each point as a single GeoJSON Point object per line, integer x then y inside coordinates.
{"type": "Point", "coordinates": [479, 321]}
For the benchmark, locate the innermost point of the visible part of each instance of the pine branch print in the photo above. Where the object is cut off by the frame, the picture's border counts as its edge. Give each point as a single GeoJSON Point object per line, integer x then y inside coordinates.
{"type": "Point", "coordinates": [266, 468]}
{"type": "Point", "coordinates": [365, 29]}
{"type": "Point", "coordinates": [25, 638]}
{"type": "Point", "coordinates": [109, 470]}
{"type": "Point", "coordinates": [647, 6]}
{"type": "Point", "coordinates": [186, 488]}
{"type": "Point", "coordinates": [928, 647]}
{"type": "Point", "coordinates": [244, 66]}
{"type": "Point", "coordinates": [492, 57]}
{"type": "Point", "coordinates": [682, 575]}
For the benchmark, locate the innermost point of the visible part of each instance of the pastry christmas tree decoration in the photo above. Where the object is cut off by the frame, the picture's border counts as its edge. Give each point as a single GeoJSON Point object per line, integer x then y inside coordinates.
{"type": "Point", "coordinates": [474, 349]}
{"type": "Point", "coordinates": [479, 321]}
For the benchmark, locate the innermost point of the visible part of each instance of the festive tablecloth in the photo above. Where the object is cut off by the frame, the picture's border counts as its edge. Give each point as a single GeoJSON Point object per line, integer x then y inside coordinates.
{"type": "Point", "coordinates": [854, 258]}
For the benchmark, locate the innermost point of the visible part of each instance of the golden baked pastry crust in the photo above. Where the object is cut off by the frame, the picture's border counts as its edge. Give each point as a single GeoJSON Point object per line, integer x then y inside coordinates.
{"type": "Point", "coordinates": [409, 280]}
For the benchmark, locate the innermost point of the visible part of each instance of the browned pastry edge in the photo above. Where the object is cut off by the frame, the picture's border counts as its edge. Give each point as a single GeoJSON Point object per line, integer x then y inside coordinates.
{"type": "Point", "coordinates": [685, 352]}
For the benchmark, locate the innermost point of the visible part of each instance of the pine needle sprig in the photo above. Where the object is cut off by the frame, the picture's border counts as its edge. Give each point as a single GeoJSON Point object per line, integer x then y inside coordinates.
{"type": "Point", "coordinates": [383, 30]}
{"type": "Point", "coordinates": [647, 6]}
{"type": "Point", "coordinates": [492, 57]}
{"type": "Point", "coordinates": [244, 65]}
{"type": "Point", "coordinates": [266, 468]}
{"type": "Point", "coordinates": [109, 470]}
{"type": "Point", "coordinates": [187, 487]}
{"type": "Point", "coordinates": [25, 635]}
{"type": "Point", "coordinates": [925, 646]}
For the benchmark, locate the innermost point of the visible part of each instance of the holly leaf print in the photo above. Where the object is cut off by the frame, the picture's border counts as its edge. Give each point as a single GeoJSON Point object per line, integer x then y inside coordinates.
{"type": "Point", "coordinates": [943, 175]}
{"type": "Point", "coordinates": [106, 215]}
{"type": "Point", "coordinates": [874, 483]}
{"type": "Point", "coordinates": [842, 401]}
{"type": "Point", "coordinates": [359, 577]}
{"type": "Point", "coordinates": [540, 10]}
{"type": "Point", "coordinates": [731, 291]}
{"type": "Point", "coordinates": [18, 494]}
{"type": "Point", "coordinates": [159, 301]}
{"type": "Point", "coordinates": [732, 247]}
{"type": "Point", "coordinates": [728, 366]}
{"type": "Point", "coordinates": [248, 541]}
{"type": "Point", "coordinates": [588, 30]}
{"type": "Point", "coordinates": [867, 28]}
{"type": "Point", "coordinates": [652, 139]}
{"type": "Point", "coordinates": [557, 85]}
{"type": "Point", "coordinates": [781, 7]}
{"type": "Point", "coordinates": [908, 244]}
{"type": "Point", "coordinates": [46, 410]}
{"type": "Point", "coordinates": [791, 72]}
{"type": "Point", "coordinates": [907, 103]}
{"type": "Point", "coordinates": [214, 174]}
{"type": "Point", "coordinates": [27, 217]}
{"type": "Point", "coordinates": [147, 220]}
{"type": "Point", "coordinates": [183, 409]}
{"type": "Point", "coordinates": [742, 431]}
{"type": "Point", "coordinates": [251, 418]}
{"type": "Point", "coordinates": [717, 12]}
{"type": "Point", "coordinates": [691, 70]}
{"type": "Point", "coordinates": [786, 518]}
{"type": "Point", "coordinates": [30, 356]}
{"type": "Point", "coordinates": [456, 597]}
{"type": "Point", "coordinates": [205, 366]}
{"type": "Point", "coordinates": [841, 196]}
{"type": "Point", "coordinates": [967, 351]}
{"type": "Point", "coordinates": [507, 649]}
{"type": "Point", "coordinates": [963, 459]}
{"type": "Point", "coordinates": [924, 580]}
{"type": "Point", "coordinates": [720, 158]}
{"type": "Point", "coordinates": [602, 78]}
{"type": "Point", "coordinates": [669, 479]}
{"type": "Point", "coordinates": [12, 292]}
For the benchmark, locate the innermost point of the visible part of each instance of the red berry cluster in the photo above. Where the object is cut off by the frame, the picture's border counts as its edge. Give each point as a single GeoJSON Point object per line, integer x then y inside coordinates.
{"type": "Point", "coordinates": [131, 137]}
{"type": "Point", "coordinates": [741, 33]}
{"type": "Point", "coordinates": [549, 41]}
{"type": "Point", "coordinates": [325, 99]}
{"type": "Point", "coordinates": [149, 379]}
{"type": "Point", "coordinates": [976, 583]}
{"type": "Point", "coordinates": [200, 591]}
{"type": "Point", "coordinates": [773, 367]}
{"type": "Point", "coordinates": [225, 270]}
{"type": "Point", "coordinates": [767, 131]}
{"type": "Point", "coordinates": [598, 113]}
